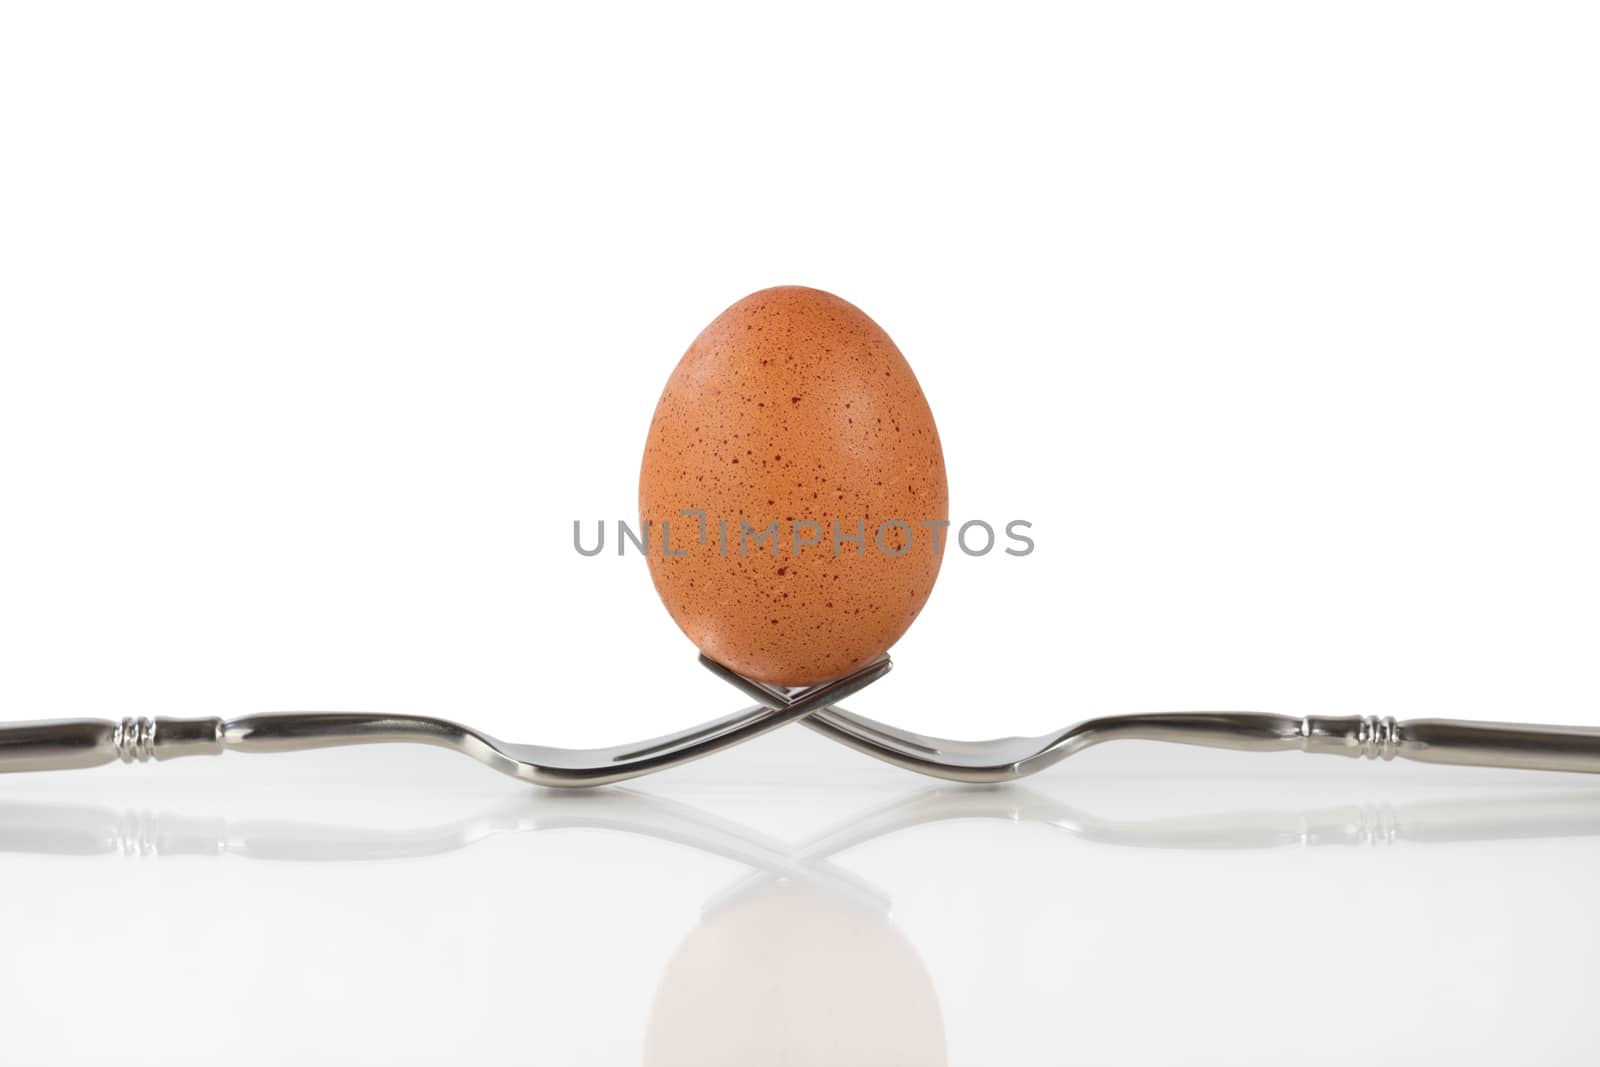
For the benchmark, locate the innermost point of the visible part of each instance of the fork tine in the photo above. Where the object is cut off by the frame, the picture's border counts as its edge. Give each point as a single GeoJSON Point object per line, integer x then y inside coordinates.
{"type": "Point", "coordinates": [965, 761]}
{"type": "Point", "coordinates": [742, 726]}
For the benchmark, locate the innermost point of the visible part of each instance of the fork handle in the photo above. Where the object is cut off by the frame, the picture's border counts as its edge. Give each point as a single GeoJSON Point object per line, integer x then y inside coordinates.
{"type": "Point", "coordinates": [68, 744]}
{"type": "Point", "coordinates": [1456, 741]}
{"type": "Point", "coordinates": [65, 744]}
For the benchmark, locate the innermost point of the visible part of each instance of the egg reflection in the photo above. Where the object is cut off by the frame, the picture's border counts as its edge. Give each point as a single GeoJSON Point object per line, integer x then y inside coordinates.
{"type": "Point", "coordinates": [795, 973]}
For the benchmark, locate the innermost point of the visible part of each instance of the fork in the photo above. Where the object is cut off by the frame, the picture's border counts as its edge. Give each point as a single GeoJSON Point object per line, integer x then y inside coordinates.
{"type": "Point", "coordinates": [1454, 741]}
{"type": "Point", "coordinates": [73, 743]}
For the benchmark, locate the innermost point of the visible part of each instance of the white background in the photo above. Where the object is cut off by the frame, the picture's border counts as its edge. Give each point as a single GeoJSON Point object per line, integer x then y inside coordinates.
{"type": "Point", "coordinates": [320, 323]}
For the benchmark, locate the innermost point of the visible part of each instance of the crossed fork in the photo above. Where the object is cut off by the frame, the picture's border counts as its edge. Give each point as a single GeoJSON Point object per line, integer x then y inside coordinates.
{"type": "Point", "coordinates": [76, 743]}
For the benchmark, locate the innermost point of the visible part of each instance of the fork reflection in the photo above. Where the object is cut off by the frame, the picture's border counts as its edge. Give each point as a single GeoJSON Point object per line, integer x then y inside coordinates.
{"type": "Point", "coordinates": [85, 829]}
{"type": "Point", "coordinates": [799, 959]}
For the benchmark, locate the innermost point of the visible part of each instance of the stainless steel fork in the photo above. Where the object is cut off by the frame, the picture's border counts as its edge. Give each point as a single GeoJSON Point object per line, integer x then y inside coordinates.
{"type": "Point", "coordinates": [68, 744]}
{"type": "Point", "coordinates": [1457, 741]}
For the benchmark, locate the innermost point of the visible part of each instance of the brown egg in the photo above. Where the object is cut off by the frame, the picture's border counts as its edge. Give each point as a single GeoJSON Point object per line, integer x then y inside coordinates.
{"type": "Point", "coordinates": [793, 489]}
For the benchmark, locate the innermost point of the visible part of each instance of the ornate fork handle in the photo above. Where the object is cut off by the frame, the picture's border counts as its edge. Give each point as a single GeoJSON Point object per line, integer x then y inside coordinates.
{"type": "Point", "coordinates": [1454, 741]}
{"type": "Point", "coordinates": [67, 744]}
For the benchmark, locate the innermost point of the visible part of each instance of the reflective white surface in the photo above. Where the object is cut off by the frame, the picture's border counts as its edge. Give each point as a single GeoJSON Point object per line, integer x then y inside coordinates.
{"type": "Point", "coordinates": [794, 903]}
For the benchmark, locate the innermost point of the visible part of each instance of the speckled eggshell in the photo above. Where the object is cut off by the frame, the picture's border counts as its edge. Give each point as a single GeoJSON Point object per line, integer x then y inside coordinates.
{"type": "Point", "coordinates": [794, 405]}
